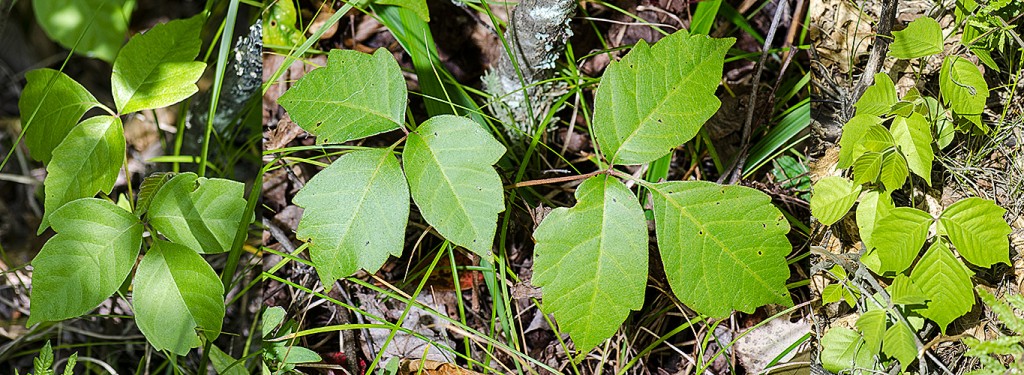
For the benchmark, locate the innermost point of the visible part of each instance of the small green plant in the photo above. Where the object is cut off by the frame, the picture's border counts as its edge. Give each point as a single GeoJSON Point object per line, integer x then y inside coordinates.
{"type": "Point", "coordinates": [279, 357]}
{"type": "Point", "coordinates": [591, 259]}
{"type": "Point", "coordinates": [889, 140]}
{"type": "Point", "coordinates": [177, 297]}
{"type": "Point", "coordinates": [43, 364]}
{"type": "Point", "coordinates": [988, 352]}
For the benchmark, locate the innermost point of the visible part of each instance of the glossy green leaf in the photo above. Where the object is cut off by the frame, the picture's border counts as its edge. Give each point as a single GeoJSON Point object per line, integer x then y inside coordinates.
{"type": "Point", "coordinates": [863, 133]}
{"type": "Point", "coordinates": [100, 24]}
{"type": "Point", "coordinates": [448, 163]}
{"type": "Point", "coordinates": [355, 96]}
{"type": "Point", "coordinates": [843, 349]}
{"type": "Point", "coordinates": [947, 283]}
{"type": "Point", "coordinates": [832, 199]}
{"type": "Point", "coordinates": [202, 214]}
{"type": "Point", "coordinates": [913, 135]}
{"type": "Point", "coordinates": [871, 325]}
{"type": "Point", "coordinates": [899, 343]}
{"type": "Point", "coordinates": [85, 163]}
{"type": "Point", "coordinates": [657, 97]}
{"type": "Point", "coordinates": [48, 114]}
{"type": "Point", "coordinates": [902, 291]}
{"type": "Point", "coordinates": [714, 237]}
{"type": "Point", "coordinates": [177, 294]}
{"type": "Point", "coordinates": [837, 292]}
{"type": "Point", "coordinates": [873, 206]}
{"type": "Point", "coordinates": [899, 237]}
{"type": "Point", "coordinates": [894, 170]}
{"type": "Point", "coordinates": [225, 364]}
{"type": "Point", "coordinates": [977, 229]}
{"type": "Point", "coordinates": [963, 88]}
{"type": "Point", "coordinates": [157, 68]}
{"type": "Point", "coordinates": [94, 250]}
{"type": "Point", "coordinates": [922, 37]}
{"type": "Point", "coordinates": [591, 261]}
{"type": "Point", "coordinates": [355, 214]}
{"type": "Point", "coordinates": [866, 168]}
{"type": "Point", "coordinates": [878, 98]}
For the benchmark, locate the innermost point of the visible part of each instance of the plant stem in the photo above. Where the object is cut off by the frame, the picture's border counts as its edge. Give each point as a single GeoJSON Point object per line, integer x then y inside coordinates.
{"type": "Point", "coordinates": [556, 180]}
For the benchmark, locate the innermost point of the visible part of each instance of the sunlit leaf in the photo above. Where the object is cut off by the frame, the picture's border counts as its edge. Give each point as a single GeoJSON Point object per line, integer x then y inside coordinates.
{"type": "Point", "coordinates": [355, 96]}
{"type": "Point", "coordinates": [591, 261]}
{"type": "Point", "coordinates": [873, 206]}
{"type": "Point", "coordinates": [842, 349]}
{"type": "Point", "coordinates": [157, 68]}
{"type": "Point", "coordinates": [878, 98]}
{"type": "Point", "coordinates": [871, 325]}
{"type": "Point", "coordinates": [922, 37]}
{"type": "Point", "coordinates": [95, 248]}
{"type": "Point", "coordinates": [97, 26]}
{"type": "Point", "coordinates": [355, 214]}
{"type": "Point", "coordinates": [914, 137]}
{"type": "Point", "coordinates": [200, 213]}
{"type": "Point", "coordinates": [449, 165]}
{"type": "Point", "coordinates": [176, 293]}
{"type": "Point", "coordinates": [894, 171]}
{"type": "Point", "coordinates": [714, 237]}
{"type": "Point", "coordinates": [946, 282]}
{"type": "Point", "coordinates": [657, 97]}
{"type": "Point", "coordinates": [863, 133]}
{"type": "Point", "coordinates": [866, 168]}
{"type": "Point", "coordinates": [977, 229]}
{"type": "Point", "coordinates": [832, 199]}
{"type": "Point", "coordinates": [48, 114]}
{"type": "Point", "coordinates": [899, 343]}
{"type": "Point", "coordinates": [85, 163]}
{"type": "Point", "coordinates": [899, 237]}
{"type": "Point", "coordinates": [963, 88]}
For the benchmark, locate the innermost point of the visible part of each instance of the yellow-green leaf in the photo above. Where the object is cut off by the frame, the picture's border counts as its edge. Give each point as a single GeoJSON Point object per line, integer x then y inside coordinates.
{"type": "Point", "coordinates": [977, 229]}
{"type": "Point", "coordinates": [899, 237]}
{"type": "Point", "coordinates": [832, 199]}
{"type": "Point", "coordinates": [51, 105]}
{"type": "Point", "coordinates": [946, 282]}
{"type": "Point", "coordinates": [922, 37]}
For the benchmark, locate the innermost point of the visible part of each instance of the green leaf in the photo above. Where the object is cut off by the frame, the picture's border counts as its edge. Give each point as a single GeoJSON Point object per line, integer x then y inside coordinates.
{"type": "Point", "coordinates": [202, 214]}
{"type": "Point", "coordinates": [922, 37]}
{"type": "Point", "coordinates": [894, 170]}
{"type": "Point", "coordinates": [871, 325]}
{"type": "Point", "coordinates": [272, 317]}
{"type": "Point", "coordinates": [947, 283]}
{"type": "Point", "coordinates": [904, 292]}
{"type": "Point", "coordinates": [87, 162]}
{"type": "Point", "coordinates": [838, 292]}
{"type": "Point", "coordinates": [297, 354]}
{"type": "Point", "coordinates": [94, 250]}
{"type": "Point", "coordinates": [156, 69]}
{"type": "Point", "coordinates": [714, 237]}
{"type": "Point", "coordinates": [656, 98]}
{"type": "Point", "coordinates": [832, 199]}
{"type": "Point", "coordinates": [279, 25]}
{"type": "Point", "coordinates": [977, 229]}
{"type": "Point", "coordinates": [176, 294]}
{"type": "Point", "coordinates": [863, 133]}
{"type": "Point", "coordinates": [842, 349]}
{"type": "Point", "coordinates": [899, 237]}
{"type": "Point", "coordinates": [101, 24]}
{"type": "Point", "coordinates": [448, 163]}
{"type": "Point", "coordinates": [222, 362]}
{"type": "Point", "coordinates": [878, 98]}
{"type": "Point", "coordinates": [591, 261]}
{"type": "Point", "coordinates": [49, 114]}
{"type": "Point", "coordinates": [899, 343]}
{"type": "Point", "coordinates": [913, 135]}
{"type": "Point", "coordinates": [150, 185]}
{"type": "Point", "coordinates": [355, 96]}
{"type": "Point", "coordinates": [355, 214]}
{"type": "Point", "coordinates": [963, 88]}
{"type": "Point", "coordinates": [417, 6]}
{"type": "Point", "coordinates": [866, 168]}
{"type": "Point", "coordinates": [872, 207]}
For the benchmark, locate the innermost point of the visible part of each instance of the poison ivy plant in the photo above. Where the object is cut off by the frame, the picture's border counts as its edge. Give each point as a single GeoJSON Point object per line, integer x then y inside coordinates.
{"type": "Point", "coordinates": [890, 139]}
{"type": "Point", "coordinates": [177, 297]}
{"type": "Point", "coordinates": [279, 356]}
{"type": "Point", "coordinates": [447, 169]}
{"type": "Point", "coordinates": [591, 259]}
